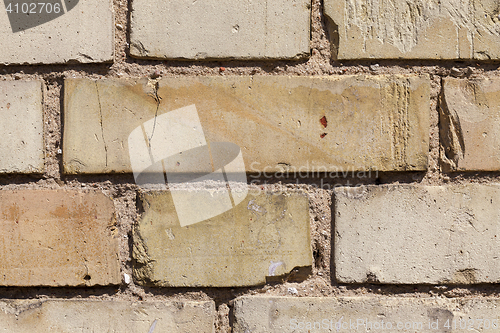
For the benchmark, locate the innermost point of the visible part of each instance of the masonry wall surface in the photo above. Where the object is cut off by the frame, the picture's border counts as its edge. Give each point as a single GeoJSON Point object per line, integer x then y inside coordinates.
{"type": "Point", "coordinates": [250, 166]}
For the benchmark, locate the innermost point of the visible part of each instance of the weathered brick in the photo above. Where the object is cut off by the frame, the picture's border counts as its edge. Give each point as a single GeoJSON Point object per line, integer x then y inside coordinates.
{"type": "Point", "coordinates": [84, 33]}
{"type": "Point", "coordinates": [262, 29]}
{"type": "Point", "coordinates": [470, 124]}
{"type": "Point", "coordinates": [21, 316]}
{"type": "Point", "coordinates": [265, 235]}
{"type": "Point", "coordinates": [372, 122]}
{"type": "Point", "coordinates": [434, 29]}
{"type": "Point", "coordinates": [417, 234]}
{"type": "Point", "coordinates": [365, 314]}
{"type": "Point", "coordinates": [57, 238]}
{"type": "Point", "coordinates": [21, 127]}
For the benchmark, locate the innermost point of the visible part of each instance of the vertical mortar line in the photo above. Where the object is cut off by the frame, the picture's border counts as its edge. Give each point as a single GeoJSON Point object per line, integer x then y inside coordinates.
{"type": "Point", "coordinates": [44, 128]}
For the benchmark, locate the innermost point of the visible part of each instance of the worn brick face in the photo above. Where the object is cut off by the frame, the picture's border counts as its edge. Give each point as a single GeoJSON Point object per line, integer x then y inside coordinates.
{"type": "Point", "coordinates": [21, 127]}
{"type": "Point", "coordinates": [262, 29]}
{"type": "Point", "coordinates": [57, 238]}
{"type": "Point", "coordinates": [453, 29]}
{"type": "Point", "coordinates": [82, 33]}
{"type": "Point", "coordinates": [470, 124]}
{"type": "Point", "coordinates": [261, 314]}
{"type": "Point", "coordinates": [98, 316]}
{"type": "Point", "coordinates": [280, 123]}
{"type": "Point", "coordinates": [265, 235]}
{"type": "Point", "coordinates": [411, 234]}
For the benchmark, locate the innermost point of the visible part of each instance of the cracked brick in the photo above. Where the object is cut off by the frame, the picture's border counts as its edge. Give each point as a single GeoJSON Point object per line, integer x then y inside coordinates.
{"type": "Point", "coordinates": [382, 122]}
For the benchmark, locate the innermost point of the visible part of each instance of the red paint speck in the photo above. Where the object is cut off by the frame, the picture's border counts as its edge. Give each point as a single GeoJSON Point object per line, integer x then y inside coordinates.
{"type": "Point", "coordinates": [323, 121]}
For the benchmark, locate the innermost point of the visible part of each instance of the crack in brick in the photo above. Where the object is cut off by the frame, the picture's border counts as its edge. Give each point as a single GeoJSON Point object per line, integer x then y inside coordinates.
{"type": "Point", "coordinates": [157, 98]}
{"type": "Point", "coordinates": [100, 122]}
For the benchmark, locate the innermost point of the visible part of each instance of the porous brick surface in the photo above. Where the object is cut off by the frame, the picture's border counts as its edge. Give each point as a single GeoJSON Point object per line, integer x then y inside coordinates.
{"type": "Point", "coordinates": [261, 29]}
{"type": "Point", "coordinates": [163, 163]}
{"type": "Point", "coordinates": [469, 124]}
{"type": "Point", "coordinates": [417, 234]}
{"type": "Point", "coordinates": [265, 235]}
{"type": "Point", "coordinates": [57, 238]}
{"type": "Point", "coordinates": [453, 29]}
{"type": "Point", "coordinates": [67, 316]}
{"type": "Point", "coordinates": [82, 32]}
{"type": "Point", "coordinates": [261, 314]}
{"type": "Point", "coordinates": [21, 128]}
{"type": "Point", "coordinates": [281, 124]}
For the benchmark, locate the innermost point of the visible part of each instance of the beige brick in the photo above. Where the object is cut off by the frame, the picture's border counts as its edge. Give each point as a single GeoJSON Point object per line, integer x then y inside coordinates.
{"type": "Point", "coordinates": [365, 314]}
{"type": "Point", "coordinates": [373, 122]}
{"type": "Point", "coordinates": [68, 316]}
{"type": "Point", "coordinates": [451, 29]}
{"type": "Point", "coordinates": [261, 29]}
{"type": "Point", "coordinates": [265, 235]}
{"type": "Point", "coordinates": [417, 234]}
{"type": "Point", "coordinates": [470, 124]}
{"type": "Point", "coordinates": [21, 128]}
{"type": "Point", "coordinates": [84, 34]}
{"type": "Point", "coordinates": [57, 238]}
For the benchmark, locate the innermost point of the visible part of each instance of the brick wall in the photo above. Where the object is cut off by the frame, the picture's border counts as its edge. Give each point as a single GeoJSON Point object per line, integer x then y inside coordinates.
{"type": "Point", "coordinates": [250, 166]}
